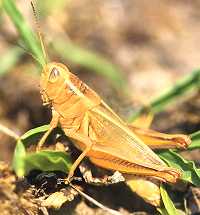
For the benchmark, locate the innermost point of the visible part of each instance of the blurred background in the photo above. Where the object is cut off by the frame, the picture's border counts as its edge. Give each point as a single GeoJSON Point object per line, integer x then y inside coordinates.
{"type": "Point", "coordinates": [128, 51]}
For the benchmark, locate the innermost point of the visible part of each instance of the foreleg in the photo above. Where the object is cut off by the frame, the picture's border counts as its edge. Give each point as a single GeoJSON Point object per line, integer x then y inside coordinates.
{"type": "Point", "coordinates": [53, 124]}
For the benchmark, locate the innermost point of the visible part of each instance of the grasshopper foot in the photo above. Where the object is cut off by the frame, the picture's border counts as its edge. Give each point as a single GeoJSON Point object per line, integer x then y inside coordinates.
{"type": "Point", "coordinates": [68, 179]}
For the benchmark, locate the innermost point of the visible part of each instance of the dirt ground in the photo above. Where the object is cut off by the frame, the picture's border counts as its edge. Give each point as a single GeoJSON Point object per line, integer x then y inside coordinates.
{"type": "Point", "coordinates": [154, 43]}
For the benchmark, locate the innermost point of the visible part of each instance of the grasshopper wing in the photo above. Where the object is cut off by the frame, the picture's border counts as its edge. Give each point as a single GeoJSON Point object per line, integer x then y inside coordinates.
{"type": "Point", "coordinates": [114, 141]}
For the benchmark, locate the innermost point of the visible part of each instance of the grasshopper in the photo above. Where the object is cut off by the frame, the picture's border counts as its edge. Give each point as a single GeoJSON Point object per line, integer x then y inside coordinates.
{"type": "Point", "coordinates": [98, 131]}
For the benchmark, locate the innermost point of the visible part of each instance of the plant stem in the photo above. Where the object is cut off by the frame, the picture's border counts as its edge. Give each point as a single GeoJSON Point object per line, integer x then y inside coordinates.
{"type": "Point", "coordinates": [9, 132]}
{"type": "Point", "coordinates": [95, 202]}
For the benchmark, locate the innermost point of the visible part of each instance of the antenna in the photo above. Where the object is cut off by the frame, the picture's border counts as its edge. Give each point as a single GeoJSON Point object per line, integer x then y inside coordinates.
{"type": "Point", "coordinates": [38, 31]}
{"type": "Point", "coordinates": [26, 51]}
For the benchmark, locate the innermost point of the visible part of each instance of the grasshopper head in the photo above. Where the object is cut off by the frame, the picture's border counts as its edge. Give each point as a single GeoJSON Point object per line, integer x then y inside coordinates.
{"type": "Point", "coordinates": [53, 78]}
{"type": "Point", "coordinates": [58, 84]}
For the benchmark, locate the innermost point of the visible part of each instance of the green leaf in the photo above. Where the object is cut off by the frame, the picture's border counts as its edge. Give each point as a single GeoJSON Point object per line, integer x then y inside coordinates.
{"type": "Point", "coordinates": [32, 132]}
{"type": "Point", "coordinates": [27, 35]}
{"type": "Point", "coordinates": [33, 136]}
{"type": "Point", "coordinates": [47, 161]}
{"type": "Point", "coordinates": [190, 173]}
{"type": "Point", "coordinates": [23, 162]}
{"type": "Point", "coordinates": [169, 208]}
{"type": "Point", "coordinates": [162, 211]}
{"type": "Point", "coordinates": [182, 86]}
{"type": "Point", "coordinates": [69, 51]}
{"type": "Point", "coordinates": [195, 141]}
{"type": "Point", "coordinates": [18, 159]}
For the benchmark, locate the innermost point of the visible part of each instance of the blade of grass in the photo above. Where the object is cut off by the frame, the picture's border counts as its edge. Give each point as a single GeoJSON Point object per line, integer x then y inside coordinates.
{"type": "Point", "coordinates": [18, 163]}
{"type": "Point", "coordinates": [182, 86]}
{"type": "Point", "coordinates": [190, 173]}
{"type": "Point", "coordinates": [27, 35]}
{"type": "Point", "coordinates": [195, 141]}
{"type": "Point", "coordinates": [69, 51]}
{"type": "Point", "coordinates": [169, 208]}
{"type": "Point", "coordinates": [90, 60]}
{"type": "Point", "coordinates": [38, 130]}
{"type": "Point", "coordinates": [33, 136]}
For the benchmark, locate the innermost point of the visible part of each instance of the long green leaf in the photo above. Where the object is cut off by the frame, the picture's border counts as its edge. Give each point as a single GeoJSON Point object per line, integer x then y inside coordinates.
{"type": "Point", "coordinates": [190, 173]}
{"type": "Point", "coordinates": [195, 141]}
{"type": "Point", "coordinates": [162, 211]}
{"type": "Point", "coordinates": [169, 208]}
{"type": "Point", "coordinates": [18, 159]}
{"type": "Point", "coordinates": [33, 135]}
{"type": "Point", "coordinates": [34, 131]}
{"type": "Point", "coordinates": [27, 35]}
{"type": "Point", "coordinates": [75, 54]}
{"type": "Point", "coordinates": [182, 86]}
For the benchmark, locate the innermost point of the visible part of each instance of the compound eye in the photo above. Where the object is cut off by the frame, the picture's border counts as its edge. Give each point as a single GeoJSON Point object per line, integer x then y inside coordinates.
{"type": "Point", "coordinates": [54, 74]}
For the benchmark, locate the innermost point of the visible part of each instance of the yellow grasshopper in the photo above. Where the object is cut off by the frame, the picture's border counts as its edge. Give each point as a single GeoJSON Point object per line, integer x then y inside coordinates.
{"type": "Point", "coordinates": [98, 131]}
